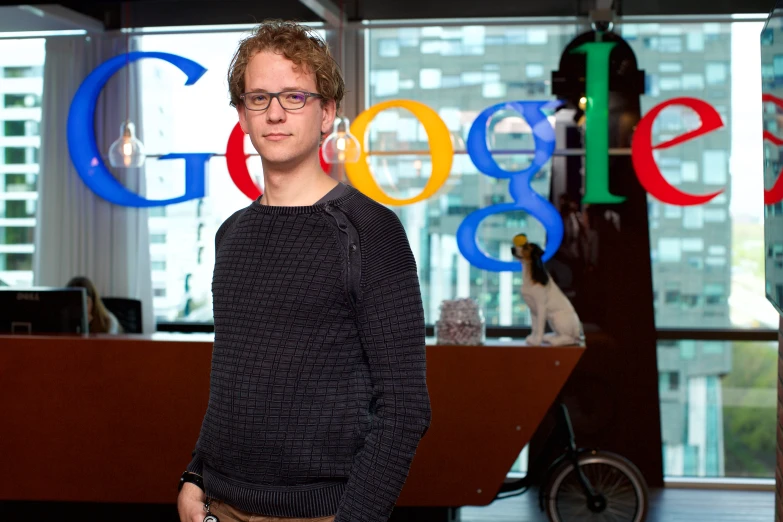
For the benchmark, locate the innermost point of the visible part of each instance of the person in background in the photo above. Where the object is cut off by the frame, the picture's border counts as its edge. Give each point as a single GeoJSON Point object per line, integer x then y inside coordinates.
{"type": "Point", "coordinates": [101, 320]}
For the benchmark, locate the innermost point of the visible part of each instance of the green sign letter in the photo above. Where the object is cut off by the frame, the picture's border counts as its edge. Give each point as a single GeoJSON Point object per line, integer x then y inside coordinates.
{"type": "Point", "coordinates": [597, 123]}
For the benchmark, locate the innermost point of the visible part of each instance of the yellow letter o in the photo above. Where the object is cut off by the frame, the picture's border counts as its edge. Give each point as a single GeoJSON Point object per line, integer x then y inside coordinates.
{"type": "Point", "coordinates": [441, 152]}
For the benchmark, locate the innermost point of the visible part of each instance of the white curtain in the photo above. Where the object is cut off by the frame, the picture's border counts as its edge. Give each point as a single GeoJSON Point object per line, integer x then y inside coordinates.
{"type": "Point", "coordinates": [77, 232]}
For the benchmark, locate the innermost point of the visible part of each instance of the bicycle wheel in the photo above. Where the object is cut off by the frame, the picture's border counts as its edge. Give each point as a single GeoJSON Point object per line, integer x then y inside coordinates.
{"type": "Point", "coordinates": [615, 478]}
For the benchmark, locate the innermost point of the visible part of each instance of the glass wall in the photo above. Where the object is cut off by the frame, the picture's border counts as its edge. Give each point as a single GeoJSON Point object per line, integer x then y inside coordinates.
{"type": "Point", "coordinates": [458, 72]}
{"type": "Point", "coordinates": [700, 279]}
{"type": "Point", "coordinates": [196, 118]}
{"type": "Point", "coordinates": [718, 408]}
{"type": "Point", "coordinates": [708, 269]}
{"type": "Point", "coordinates": [21, 86]}
{"type": "Point", "coordinates": [707, 260]}
{"type": "Point", "coordinates": [717, 397]}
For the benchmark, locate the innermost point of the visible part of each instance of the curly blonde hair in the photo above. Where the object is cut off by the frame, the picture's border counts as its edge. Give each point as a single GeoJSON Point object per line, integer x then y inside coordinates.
{"type": "Point", "coordinates": [295, 42]}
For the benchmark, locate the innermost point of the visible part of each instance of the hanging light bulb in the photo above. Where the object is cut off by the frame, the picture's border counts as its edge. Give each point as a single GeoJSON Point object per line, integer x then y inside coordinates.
{"type": "Point", "coordinates": [341, 146]}
{"type": "Point", "coordinates": [127, 151]}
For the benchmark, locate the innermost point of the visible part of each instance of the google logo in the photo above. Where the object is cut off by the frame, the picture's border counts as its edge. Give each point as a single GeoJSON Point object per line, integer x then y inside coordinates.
{"type": "Point", "coordinates": [87, 160]}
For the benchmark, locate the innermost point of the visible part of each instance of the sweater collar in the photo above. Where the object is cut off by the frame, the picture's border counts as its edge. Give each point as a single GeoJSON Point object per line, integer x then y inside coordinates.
{"type": "Point", "coordinates": [309, 209]}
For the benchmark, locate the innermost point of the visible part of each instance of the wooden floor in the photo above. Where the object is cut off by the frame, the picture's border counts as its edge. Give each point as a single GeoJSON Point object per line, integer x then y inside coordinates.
{"type": "Point", "coordinates": [667, 505]}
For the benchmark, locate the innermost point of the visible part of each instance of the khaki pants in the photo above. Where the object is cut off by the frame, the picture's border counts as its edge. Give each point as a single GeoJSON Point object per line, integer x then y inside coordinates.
{"type": "Point", "coordinates": [227, 513]}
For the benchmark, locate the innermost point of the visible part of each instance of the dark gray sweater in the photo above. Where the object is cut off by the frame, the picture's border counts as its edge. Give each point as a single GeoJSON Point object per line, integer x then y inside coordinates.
{"type": "Point", "coordinates": [318, 395]}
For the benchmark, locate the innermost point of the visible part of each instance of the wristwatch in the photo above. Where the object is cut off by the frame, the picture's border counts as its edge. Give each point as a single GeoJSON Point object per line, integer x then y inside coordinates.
{"type": "Point", "coordinates": [192, 478]}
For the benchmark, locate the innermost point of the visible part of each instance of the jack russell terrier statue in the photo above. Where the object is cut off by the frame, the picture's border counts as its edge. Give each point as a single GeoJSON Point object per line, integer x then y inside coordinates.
{"type": "Point", "coordinates": [546, 301]}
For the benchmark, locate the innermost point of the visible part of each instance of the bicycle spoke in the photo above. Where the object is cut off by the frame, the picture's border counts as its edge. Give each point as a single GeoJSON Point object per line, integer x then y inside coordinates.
{"type": "Point", "coordinates": [619, 491]}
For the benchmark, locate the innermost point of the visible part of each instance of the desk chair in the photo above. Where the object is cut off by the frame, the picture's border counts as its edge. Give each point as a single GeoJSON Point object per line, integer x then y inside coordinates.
{"type": "Point", "coordinates": [127, 312]}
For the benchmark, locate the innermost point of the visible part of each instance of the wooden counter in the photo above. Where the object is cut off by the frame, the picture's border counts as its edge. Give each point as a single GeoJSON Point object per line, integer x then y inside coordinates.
{"type": "Point", "coordinates": [114, 418]}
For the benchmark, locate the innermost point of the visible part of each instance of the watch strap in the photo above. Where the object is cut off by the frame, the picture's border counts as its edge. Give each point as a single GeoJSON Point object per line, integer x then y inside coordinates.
{"type": "Point", "coordinates": [193, 478]}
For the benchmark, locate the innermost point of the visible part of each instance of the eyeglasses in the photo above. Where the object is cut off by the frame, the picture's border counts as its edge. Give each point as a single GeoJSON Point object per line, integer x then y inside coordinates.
{"type": "Point", "coordinates": [289, 100]}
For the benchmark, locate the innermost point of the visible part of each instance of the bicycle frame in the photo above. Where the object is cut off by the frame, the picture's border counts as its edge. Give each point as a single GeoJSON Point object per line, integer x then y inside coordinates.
{"type": "Point", "coordinates": [571, 454]}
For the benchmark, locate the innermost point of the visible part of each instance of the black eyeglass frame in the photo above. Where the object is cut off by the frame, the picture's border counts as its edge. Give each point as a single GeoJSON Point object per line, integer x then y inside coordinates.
{"type": "Point", "coordinates": [272, 95]}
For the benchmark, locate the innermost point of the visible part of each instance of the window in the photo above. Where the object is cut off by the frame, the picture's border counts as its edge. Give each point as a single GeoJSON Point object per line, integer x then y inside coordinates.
{"type": "Point", "coordinates": [712, 31]}
{"type": "Point", "coordinates": [777, 65]}
{"type": "Point", "coordinates": [715, 261]}
{"type": "Point", "coordinates": [690, 171]}
{"type": "Point", "coordinates": [692, 244]}
{"type": "Point", "coordinates": [15, 155]}
{"type": "Point", "coordinates": [738, 389]}
{"type": "Point", "coordinates": [19, 235]}
{"type": "Point", "coordinates": [693, 217]}
{"type": "Point", "coordinates": [493, 90]}
{"type": "Point", "coordinates": [386, 83]}
{"type": "Point", "coordinates": [674, 381]}
{"type": "Point", "coordinates": [695, 262]}
{"type": "Point", "coordinates": [19, 209]}
{"type": "Point", "coordinates": [694, 42]}
{"type": "Point", "coordinates": [483, 80]}
{"type": "Point", "coordinates": [13, 101]}
{"type": "Point", "coordinates": [441, 67]}
{"type": "Point", "coordinates": [715, 215]}
{"type": "Point", "coordinates": [691, 82]}
{"type": "Point", "coordinates": [670, 67]}
{"type": "Point", "coordinates": [534, 70]}
{"type": "Point", "coordinates": [672, 211]}
{"type": "Point", "coordinates": [715, 167]}
{"type": "Point", "coordinates": [20, 182]}
{"type": "Point", "coordinates": [713, 347]}
{"type": "Point", "coordinates": [537, 36]}
{"type": "Point", "coordinates": [431, 47]}
{"type": "Point", "coordinates": [389, 48]}
{"type": "Point", "coordinates": [687, 350]}
{"type": "Point", "coordinates": [18, 262]}
{"type": "Point", "coordinates": [672, 174]}
{"type": "Point", "coordinates": [14, 128]}
{"type": "Point", "coordinates": [671, 83]}
{"type": "Point", "coordinates": [670, 44]}
{"type": "Point", "coordinates": [716, 73]}
{"type": "Point", "coordinates": [669, 250]}
{"type": "Point", "coordinates": [23, 72]}
{"type": "Point", "coordinates": [429, 78]}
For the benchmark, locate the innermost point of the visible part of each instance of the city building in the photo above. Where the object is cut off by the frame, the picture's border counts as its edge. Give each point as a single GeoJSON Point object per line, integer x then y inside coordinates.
{"type": "Point", "coordinates": [21, 87]}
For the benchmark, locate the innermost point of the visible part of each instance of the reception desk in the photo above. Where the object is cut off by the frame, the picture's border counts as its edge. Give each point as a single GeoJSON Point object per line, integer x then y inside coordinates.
{"type": "Point", "coordinates": [114, 418]}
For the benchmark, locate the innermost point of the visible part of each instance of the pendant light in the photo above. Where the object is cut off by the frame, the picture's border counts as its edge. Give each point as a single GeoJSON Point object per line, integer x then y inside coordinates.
{"type": "Point", "coordinates": [341, 146]}
{"type": "Point", "coordinates": [127, 151]}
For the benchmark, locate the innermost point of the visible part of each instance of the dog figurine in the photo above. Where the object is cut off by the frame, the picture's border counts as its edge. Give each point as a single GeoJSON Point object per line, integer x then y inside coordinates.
{"type": "Point", "coordinates": [546, 301]}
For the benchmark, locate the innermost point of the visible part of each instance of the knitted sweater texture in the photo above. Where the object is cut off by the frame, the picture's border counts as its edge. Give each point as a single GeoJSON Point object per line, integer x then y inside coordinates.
{"type": "Point", "coordinates": [318, 395]}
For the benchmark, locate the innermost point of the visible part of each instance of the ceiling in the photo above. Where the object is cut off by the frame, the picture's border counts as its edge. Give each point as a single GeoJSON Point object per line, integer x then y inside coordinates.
{"type": "Point", "coordinates": [41, 16]}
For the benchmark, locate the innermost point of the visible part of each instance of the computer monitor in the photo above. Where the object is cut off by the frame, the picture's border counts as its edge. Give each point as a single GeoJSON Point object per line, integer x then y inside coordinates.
{"type": "Point", "coordinates": [43, 310]}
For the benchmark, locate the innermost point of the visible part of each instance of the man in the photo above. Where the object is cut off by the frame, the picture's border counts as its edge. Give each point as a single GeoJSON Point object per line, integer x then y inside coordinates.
{"type": "Point", "coordinates": [318, 397]}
